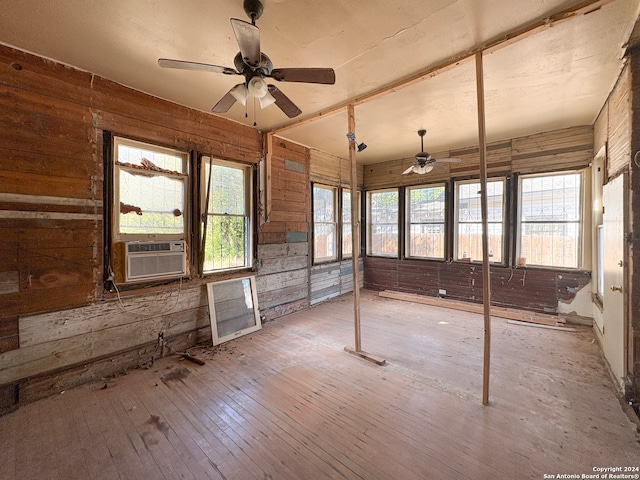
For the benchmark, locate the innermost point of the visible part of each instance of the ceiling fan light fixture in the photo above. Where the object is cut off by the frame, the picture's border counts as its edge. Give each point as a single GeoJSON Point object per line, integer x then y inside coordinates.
{"type": "Point", "coordinates": [239, 92]}
{"type": "Point", "coordinates": [258, 87]}
{"type": "Point", "coordinates": [266, 100]}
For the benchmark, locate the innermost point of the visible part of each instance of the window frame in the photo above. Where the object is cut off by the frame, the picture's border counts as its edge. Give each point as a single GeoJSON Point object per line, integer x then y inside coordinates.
{"type": "Point", "coordinates": [580, 221]}
{"type": "Point", "coordinates": [183, 177]}
{"type": "Point", "coordinates": [335, 223]}
{"type": "Point", "coordinates": [369, 223]}
{"type": "Point", "coordinates": [459, 256]}
{"type": "Point", "coordinates": [249, 245]}
{"type": "Point", "coordinates": [408, 223]}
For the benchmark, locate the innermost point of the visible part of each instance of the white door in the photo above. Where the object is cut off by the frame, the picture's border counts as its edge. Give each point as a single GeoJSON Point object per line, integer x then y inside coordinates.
{"type": "Point", "coordinates": [614, 331]}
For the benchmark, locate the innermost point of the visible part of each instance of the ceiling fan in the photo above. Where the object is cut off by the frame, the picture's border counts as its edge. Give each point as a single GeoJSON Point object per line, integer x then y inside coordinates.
{"type": "Point", "coordinates": [255, 66]}
{"type": "Point", "coordinates": [425, 162]}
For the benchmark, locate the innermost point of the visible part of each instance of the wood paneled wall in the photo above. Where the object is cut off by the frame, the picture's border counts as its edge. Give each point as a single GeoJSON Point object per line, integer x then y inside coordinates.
{"type": "Point", "coordinates": [58, 327]}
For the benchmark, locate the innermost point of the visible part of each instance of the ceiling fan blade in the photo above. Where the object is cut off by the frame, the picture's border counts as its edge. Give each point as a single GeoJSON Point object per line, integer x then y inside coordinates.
{"type": "Point", "coordinates": [438, 167]}
{"type": "Point", "coordinates": [448, 160]}
{"type": "Point", "coordinates": [282, 101]}
{"type": "Point", "coordinates": [324, 76]}
{"type": "Point", "coordinates": [408, 170]}
{"type": "Point", "coordinates": [248, 37]}
{"type": "Point", "coordinates": [206, 67]}
{"type": "Point", "coordinates": [225, 103]}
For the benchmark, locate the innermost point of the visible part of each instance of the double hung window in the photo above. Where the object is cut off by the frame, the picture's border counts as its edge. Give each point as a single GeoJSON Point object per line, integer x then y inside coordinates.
{"type": "Point", "coordinates": [550, 212]}
{"type": "Point", "coordinates": [226, 206]}
{"type": "Point", "coordinates": [468, 213]}
{"type": "Point", "coordinates": [425, 221]}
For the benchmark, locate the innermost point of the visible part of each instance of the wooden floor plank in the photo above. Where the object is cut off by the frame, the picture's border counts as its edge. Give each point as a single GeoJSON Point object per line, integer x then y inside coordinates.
{"type": "Point", "coordinates": [288, 402]}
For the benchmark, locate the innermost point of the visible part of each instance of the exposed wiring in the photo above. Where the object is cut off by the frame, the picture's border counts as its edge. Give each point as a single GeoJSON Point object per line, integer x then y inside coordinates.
{"type": "Point", "coordinates": [146, 315]}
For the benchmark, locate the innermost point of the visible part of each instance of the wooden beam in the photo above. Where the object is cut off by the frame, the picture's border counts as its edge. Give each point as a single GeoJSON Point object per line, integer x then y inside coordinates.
{"type": "Point", "coordinates": [486, 267]}
{"type": "Point", "coordinates": [496, 43]}
{"type": "Point", "coordinates": [551, 327]}
{"type": "Point", "coordinates": [355, 230]}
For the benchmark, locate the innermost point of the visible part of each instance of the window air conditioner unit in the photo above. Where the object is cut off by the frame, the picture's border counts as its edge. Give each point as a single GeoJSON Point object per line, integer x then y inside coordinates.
{"type": "Point", "coordinates": [149, 260]}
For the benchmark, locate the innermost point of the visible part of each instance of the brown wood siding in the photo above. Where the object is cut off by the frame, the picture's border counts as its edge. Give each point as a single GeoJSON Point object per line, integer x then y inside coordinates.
{"type": "Point", "coordinates": [532, 289]}
{"type": "Point", "coordinates": [51, 223]}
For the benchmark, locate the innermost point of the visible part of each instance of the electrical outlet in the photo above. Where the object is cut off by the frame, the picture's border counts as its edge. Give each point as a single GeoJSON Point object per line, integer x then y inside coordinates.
{"type": "Point", "coordinates": [442, 291]}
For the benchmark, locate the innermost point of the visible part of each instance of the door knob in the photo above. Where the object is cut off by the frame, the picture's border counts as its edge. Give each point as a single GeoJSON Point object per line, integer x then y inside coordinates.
{"type": "Point", "coordinates": [616, 288]}
{"type": "Point", "coordinates": [620, 263]}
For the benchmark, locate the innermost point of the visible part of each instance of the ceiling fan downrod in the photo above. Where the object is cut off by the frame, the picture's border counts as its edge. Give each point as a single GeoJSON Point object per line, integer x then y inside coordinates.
{"type": "Point", "coordinates": [253, 9]}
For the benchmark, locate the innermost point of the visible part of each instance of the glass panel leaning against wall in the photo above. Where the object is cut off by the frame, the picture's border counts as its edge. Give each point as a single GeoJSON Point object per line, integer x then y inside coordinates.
{"type": "Point", "coordinates": [226, 205]}
{"type": "Point", "coordinates": [382, 223]}
{"type": "Point", "coordinates": [150, 191]}
{"type": "Point", "coordinates": [426, 221]}
{"type": "Point", "coordinates": [550, 212]}
{"type": "Point", "coordinates": [324, 223]}
{"type": "Point", "coordinates": [469, 220]}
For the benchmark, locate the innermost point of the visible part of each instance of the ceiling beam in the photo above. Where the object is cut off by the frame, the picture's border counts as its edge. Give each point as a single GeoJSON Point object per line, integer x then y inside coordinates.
{"type": "Point", "coordinates": [503, 40]}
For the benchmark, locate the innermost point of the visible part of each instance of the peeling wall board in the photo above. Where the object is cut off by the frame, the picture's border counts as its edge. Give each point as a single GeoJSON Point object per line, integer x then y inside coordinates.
{"type": "Point", "coordinates": [286, 295]}
{"type": "Point", "coordinates": [620, 125]}
{"type": "Point", "coordinates": [282, 250]}
{"type": "Point", "coordinates": [31, 360]}
{"type": "Point", "coordinates": [276, 281]}
{"type": "Point", "coordinates": [57, 381]}
{"type": "Point", "coordinates": [282, 264]}
{"type": "Point", "coordinates": [43, 328]}
{"type": "Point", "coordinates": [284, 309]}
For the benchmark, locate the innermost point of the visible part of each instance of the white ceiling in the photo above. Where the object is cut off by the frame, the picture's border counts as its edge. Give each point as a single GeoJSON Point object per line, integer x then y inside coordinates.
{"type": "Point", "coordinates": [555, 78]}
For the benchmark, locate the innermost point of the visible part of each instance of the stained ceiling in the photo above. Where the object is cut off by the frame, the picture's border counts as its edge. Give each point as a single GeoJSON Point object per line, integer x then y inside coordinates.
{"type": "Point", "coordinates": [554, 76]}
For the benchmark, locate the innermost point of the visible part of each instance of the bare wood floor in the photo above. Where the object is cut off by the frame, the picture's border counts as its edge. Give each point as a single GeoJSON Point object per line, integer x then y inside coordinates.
{"type": "Point", "coordinates": [288, 403]}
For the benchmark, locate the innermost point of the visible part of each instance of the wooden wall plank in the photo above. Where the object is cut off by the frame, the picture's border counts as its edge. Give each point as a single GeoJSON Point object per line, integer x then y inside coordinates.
{"type": "Point", "coordinates": [619, 132]}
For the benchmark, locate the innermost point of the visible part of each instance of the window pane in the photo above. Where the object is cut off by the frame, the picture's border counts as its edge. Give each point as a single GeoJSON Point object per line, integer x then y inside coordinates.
{"type": "Point", "coordinates": [150, 204]}
{"type": "Point", "coordinates": [324, 241]}
{"type": "Point", "coordinates": [426, 240]}
{"type": "Point", "coordinates": [383, 223]}
{"type": "Point", "coordinates": [228, 190]}
{"type": "Point", "coordinates": [550, 244]}
{"type": "Point", "coordinates": [426, 205]}
{"type": "Point", "coordinates": [551, 198]}
{"type": "Point", "coordinates": [323, 204]}
{"type": "Point", "coordinates": [226, 243]}
{"type": "Point", "coordinates": [138, 155]}
{"type": "Point", "coordinates": [347, 243]}
{"type": "Point", "coordinates": [469, 220]}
